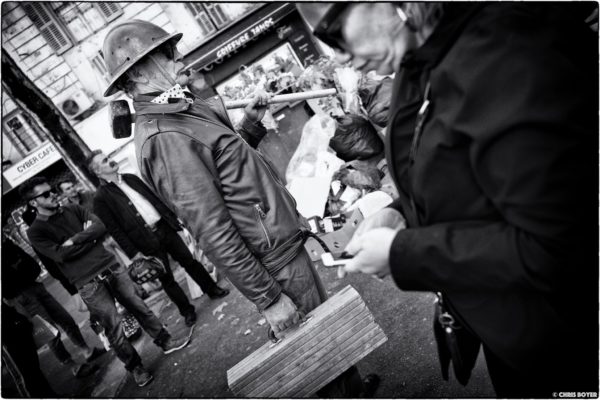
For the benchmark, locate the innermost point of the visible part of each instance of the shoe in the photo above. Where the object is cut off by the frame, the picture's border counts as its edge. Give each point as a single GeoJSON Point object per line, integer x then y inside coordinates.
{"type": "Point", "coordinates": [170, 345]}
{"type": "Point", "coordinates": [370, 385]}
{"type": "Point", "coordinates": [190, 318]}
{"type": "Point", "coordinates": [96, 352]}
{"type": "Point", "coordinates": [83, 370]}
{"type": "Point", "coordinates": [141, 376]}
{"type": "Point", "coordinates": [217, 293]}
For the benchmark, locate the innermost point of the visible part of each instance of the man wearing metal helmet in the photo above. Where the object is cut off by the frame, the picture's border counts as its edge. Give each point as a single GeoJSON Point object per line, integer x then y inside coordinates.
{"type": "Point", "coordinates": [225, 191]}
{"type": "Point", "coordinates": [492, 142]}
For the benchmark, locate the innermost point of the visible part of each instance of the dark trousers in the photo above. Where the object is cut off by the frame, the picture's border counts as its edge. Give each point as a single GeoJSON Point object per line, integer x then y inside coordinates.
{"type": "Point", "coordinates": [171, 243]}
{"type": "Point", "coordinates": [37, 300]}
{"type": "Point", "coordinates": [20, 358]}
{"type": "Point", "coordinates": [100, 300]}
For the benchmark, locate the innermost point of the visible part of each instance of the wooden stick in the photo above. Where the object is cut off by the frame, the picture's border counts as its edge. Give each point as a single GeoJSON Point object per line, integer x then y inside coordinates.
{"type": "Point", "coordinates": [284, 98]}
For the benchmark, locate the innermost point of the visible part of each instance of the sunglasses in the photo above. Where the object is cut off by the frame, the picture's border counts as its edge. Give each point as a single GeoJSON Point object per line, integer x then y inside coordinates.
{"type": "Point", "coordinates": [45, 194]}
{"type": "Point", "coordinates": [329, 29]}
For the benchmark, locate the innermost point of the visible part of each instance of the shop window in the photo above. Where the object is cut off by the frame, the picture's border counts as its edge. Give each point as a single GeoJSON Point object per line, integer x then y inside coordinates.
{"type": "Point", "coordinates": [21, 134]}
{"type": "Point", "coordinates": [215, 16]}
{"type": "Point", "coordinates": [44, 19]}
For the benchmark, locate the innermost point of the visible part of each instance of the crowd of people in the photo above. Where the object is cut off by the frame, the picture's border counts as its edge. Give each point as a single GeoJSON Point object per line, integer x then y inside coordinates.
{"type": "Point", "coordinates": [492, 144]}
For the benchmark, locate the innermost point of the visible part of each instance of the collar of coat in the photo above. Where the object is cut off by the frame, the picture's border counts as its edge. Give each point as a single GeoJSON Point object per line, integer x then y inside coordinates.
{"type": "Point", "coordinates": [143, 104]}
{"type": "Point", "coordinates": [449, 27]}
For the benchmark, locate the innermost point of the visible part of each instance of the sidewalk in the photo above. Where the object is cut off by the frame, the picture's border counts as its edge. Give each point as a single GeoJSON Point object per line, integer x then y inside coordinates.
{"type": "Point", "coordinates": [229, 329]}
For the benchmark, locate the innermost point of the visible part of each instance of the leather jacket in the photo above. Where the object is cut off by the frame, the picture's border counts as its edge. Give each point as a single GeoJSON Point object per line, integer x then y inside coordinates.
{"type": "Point", "coordinates": [223, 189]}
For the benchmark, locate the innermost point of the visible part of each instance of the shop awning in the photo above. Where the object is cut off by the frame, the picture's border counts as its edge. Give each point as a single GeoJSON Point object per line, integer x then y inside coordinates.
{"type": "Point", "coordinates": [231, 39]}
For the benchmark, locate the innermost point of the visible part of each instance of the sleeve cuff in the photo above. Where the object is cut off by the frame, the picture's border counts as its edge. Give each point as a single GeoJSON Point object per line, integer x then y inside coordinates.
{"type": "Point", "coordinates": [252, 132]}
{"type": "Point", "coordinates": [403, 265]}
{"type": "Point", "coordinates": [269, 298]}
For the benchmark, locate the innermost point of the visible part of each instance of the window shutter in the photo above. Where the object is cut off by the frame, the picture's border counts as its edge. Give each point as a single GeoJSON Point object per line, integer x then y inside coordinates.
{"type": "Point", "coordinates": [51, 31]}
{"type": "Point", "coordinates": [110, 11]}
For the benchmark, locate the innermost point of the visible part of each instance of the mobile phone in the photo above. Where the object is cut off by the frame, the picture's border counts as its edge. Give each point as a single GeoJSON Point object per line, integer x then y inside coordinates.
{"type": "Point", "coordinates": [331, 262]}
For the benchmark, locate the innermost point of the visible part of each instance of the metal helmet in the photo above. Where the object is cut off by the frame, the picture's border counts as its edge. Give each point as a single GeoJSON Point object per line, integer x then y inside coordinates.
{"type": "Point", "coordinates": [127, 43]}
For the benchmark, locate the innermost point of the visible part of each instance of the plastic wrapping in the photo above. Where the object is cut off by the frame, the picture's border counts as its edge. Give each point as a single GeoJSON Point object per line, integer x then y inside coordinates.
{"type": "Point", "coordinates": [312, 151]}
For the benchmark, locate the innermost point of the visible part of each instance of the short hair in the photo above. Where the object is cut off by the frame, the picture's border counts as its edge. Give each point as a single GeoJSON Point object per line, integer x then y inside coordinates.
{"type": "Point", "coordinates": [89, 161]}
{"type": "Point", "coordinates": [59, 184]}
{"type": "Point", "coordinates": [26, 188]}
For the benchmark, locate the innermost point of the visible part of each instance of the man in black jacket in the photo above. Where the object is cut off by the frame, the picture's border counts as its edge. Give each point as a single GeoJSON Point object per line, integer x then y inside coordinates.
{"type": "Point", "coordinates": [143, 226]}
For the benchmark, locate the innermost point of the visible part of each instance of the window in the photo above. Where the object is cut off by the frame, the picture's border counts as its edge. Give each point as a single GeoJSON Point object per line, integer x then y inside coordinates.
{"type": "Point", "coordinates": [63, 23]}
{"type": "Point", "coordinates": [99, 66]}
{"type": "Point", "coordinates": [202, 17]}
{"type": "Point", "coordinates": [22, 135]}
{"type": "Point", "coordinates": [214, 16]}
{"type": "Point", "coordinates": [216, 13]}
{"type": "Point", "coordinates": [43, 18]}
{"type": "Point", "coordinates": [83, 19]}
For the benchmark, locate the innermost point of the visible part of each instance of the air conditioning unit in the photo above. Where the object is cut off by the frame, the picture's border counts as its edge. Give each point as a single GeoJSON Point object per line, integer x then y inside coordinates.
{"type": "Point", "coordinates": [74, 104]}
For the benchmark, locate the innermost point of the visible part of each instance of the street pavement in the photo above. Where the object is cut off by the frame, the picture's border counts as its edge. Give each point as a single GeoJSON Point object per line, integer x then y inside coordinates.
{"type": "Point", "coordinates": [229, 329]}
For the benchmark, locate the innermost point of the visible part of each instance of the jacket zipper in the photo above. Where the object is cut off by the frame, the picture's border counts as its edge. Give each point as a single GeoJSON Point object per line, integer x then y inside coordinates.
{"type": "Point", "coordinates": [279, 183]}
{"type": "Point", "coordinates": [260, 215]}
{"type": "Point", "coordinates": [421, 116]}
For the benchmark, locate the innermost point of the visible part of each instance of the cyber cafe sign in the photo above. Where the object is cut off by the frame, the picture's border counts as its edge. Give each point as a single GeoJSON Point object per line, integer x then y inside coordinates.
{"type": "Point", "coordinates": [245, 37]}
{"type": "Point", "coordinates": [35, 162]}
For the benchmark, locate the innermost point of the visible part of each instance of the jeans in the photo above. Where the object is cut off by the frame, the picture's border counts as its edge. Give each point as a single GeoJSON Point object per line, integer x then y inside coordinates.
{"type": "Point", "coordinates": [37, 300]}
{"type": "Point", "coordinates": [100, 300]}
{"type": "Point", "coordinates": [171, 243]}
{"type": "Point", "coordinates": [301, 283]}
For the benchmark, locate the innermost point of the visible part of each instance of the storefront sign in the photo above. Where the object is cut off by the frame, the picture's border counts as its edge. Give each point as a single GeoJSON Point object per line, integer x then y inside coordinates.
{"type": "Point", "coordinates": [244, 37]}
{"type": "Point", "coordinates": [35, 162]}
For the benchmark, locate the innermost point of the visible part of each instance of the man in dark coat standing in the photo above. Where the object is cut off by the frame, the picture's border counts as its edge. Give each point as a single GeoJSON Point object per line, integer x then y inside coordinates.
{"type": "Point", "coordinates": [143, 226]}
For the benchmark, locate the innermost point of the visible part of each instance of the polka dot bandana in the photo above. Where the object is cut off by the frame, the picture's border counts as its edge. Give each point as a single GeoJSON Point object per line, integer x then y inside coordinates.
{"type": "Point", "coordinates": [176, 92]}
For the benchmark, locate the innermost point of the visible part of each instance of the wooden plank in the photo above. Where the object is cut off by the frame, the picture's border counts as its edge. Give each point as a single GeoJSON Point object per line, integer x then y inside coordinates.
{"type": "Point", "coordinates": [254, 363]}
{"type": "Point", "coordinates": [374, 337]}
{"type": "Point", "coordinates": [304, 366]}
{"type": "Point", "coordinates": [296, 339]}
{"type": "Point", "coordinates": [268, 350]}
{"type": "Point", "coordinates": [340, 332]}
{"type": "Point", "coordinates": [316, 345]}
{"type": "Point", "coordinates": [261, 352]}
{"type": "Point", "coordinates": [353, 336]}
